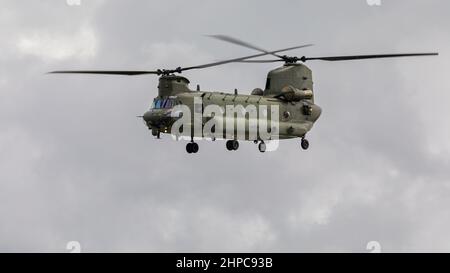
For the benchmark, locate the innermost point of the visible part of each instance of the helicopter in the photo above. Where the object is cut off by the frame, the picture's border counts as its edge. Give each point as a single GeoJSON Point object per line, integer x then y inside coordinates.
{"type": "Point", "coordinates": [288, 89]}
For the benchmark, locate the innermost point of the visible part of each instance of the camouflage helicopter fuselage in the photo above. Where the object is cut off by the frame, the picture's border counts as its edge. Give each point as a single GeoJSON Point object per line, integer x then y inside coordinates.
{"type": "Point", "coordinates": [289, 87]}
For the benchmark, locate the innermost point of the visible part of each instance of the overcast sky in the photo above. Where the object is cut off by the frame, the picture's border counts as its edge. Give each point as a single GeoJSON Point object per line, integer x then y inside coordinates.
{"type": "Point", "coordinates": [77, 165]}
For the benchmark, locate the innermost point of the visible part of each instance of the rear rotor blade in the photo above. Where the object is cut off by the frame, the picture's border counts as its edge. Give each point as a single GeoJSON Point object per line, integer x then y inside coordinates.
{"type": "Point", "coordinates": [361, 57]}
{"type": "Point", "coordinates": [105, 72]}
{"type": "Point", "coordinates": [261, 61]}
{"type": "Point", "coordinates": [241, 43]}
{"type": "Point", "coordinates": [235, 60]}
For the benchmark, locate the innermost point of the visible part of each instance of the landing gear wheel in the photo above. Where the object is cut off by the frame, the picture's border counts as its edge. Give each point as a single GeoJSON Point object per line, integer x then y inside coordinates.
{"type": "Point", "coordinates": [192, 148]}
{"type": "Point", "coordinates": [262, 147]}
{"type": "Point", "coordinates": [235, 145]}
{"type": "Point", "coordinates": [189, 148]}
{"type": "Point", "coordinates": [305, 144]}
{"type": "Point", "coordinates": [230, 145]}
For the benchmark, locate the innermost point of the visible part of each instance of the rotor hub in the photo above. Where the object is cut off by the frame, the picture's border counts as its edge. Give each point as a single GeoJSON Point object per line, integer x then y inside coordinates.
{"type": "Point", "coordinates": [166, 72]}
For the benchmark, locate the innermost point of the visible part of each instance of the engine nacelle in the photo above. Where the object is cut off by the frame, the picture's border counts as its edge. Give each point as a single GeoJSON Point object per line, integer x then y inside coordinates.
{"type": "Point", "coordinates": [290, 93]}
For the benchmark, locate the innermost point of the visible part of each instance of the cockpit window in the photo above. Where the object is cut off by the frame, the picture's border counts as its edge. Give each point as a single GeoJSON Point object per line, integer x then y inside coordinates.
{"type": "Point", "coordinates": [163, 103]}
{"type": "Point", "coordinates": [167, 104]}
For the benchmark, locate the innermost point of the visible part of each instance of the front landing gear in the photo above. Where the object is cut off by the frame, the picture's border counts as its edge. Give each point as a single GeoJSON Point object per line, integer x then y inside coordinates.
{"type": "Point", "coordinates": [156, 133]}
{"type": "Point", "coordinates": [305, 143]}
{"type": "Point", "coordinates": [232, 145]}
{"type": "Point", "coordinates": [192, 148]}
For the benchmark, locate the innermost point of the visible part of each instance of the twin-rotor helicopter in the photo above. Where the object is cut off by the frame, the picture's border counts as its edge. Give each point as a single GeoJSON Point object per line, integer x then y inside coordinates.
{"type": "Point", "coordinates": [289, 87]}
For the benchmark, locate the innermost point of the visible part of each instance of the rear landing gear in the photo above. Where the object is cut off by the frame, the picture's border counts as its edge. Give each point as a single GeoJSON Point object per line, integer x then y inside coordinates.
{"type": "Point", "coordinates": [192, 148]}
{"type": "Point", "coordinates": [232, 145]}
{"type": "Point", "coordinates": [305, 144]}
{"type": "Point", "coordinates": [262, 147]}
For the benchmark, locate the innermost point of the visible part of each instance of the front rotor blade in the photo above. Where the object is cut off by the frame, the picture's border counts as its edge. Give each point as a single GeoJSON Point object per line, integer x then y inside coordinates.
{"type": "Point", "coordinates": [235, 60]}
{"type": "Point", "coordinates": [178, 70]}
{"type": "Point", "coordinates": [361, 57]}
{"type": "Point", "coordinates": [241, 43]}
{"type": "Point", "coordinates": [105, 72]}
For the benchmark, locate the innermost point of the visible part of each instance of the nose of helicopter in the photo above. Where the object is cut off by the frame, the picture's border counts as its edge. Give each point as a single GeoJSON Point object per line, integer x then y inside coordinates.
{"type": "Point", "coordinates": [147, 116]}
{"type": "Point", "coordinates": [157, 117]}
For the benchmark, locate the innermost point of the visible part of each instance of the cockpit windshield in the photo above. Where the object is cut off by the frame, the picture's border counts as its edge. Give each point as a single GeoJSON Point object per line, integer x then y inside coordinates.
{"type": "Point", "coordinates": [163, 103]}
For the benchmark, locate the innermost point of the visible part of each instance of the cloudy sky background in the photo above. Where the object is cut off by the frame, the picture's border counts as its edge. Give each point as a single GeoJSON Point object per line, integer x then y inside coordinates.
{"type": "Point", "coordinates": [76, 164]}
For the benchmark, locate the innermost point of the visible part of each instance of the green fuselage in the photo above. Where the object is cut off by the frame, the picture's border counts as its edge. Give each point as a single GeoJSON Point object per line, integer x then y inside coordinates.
{"type": "Point", "coordinates": [296, 115]}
